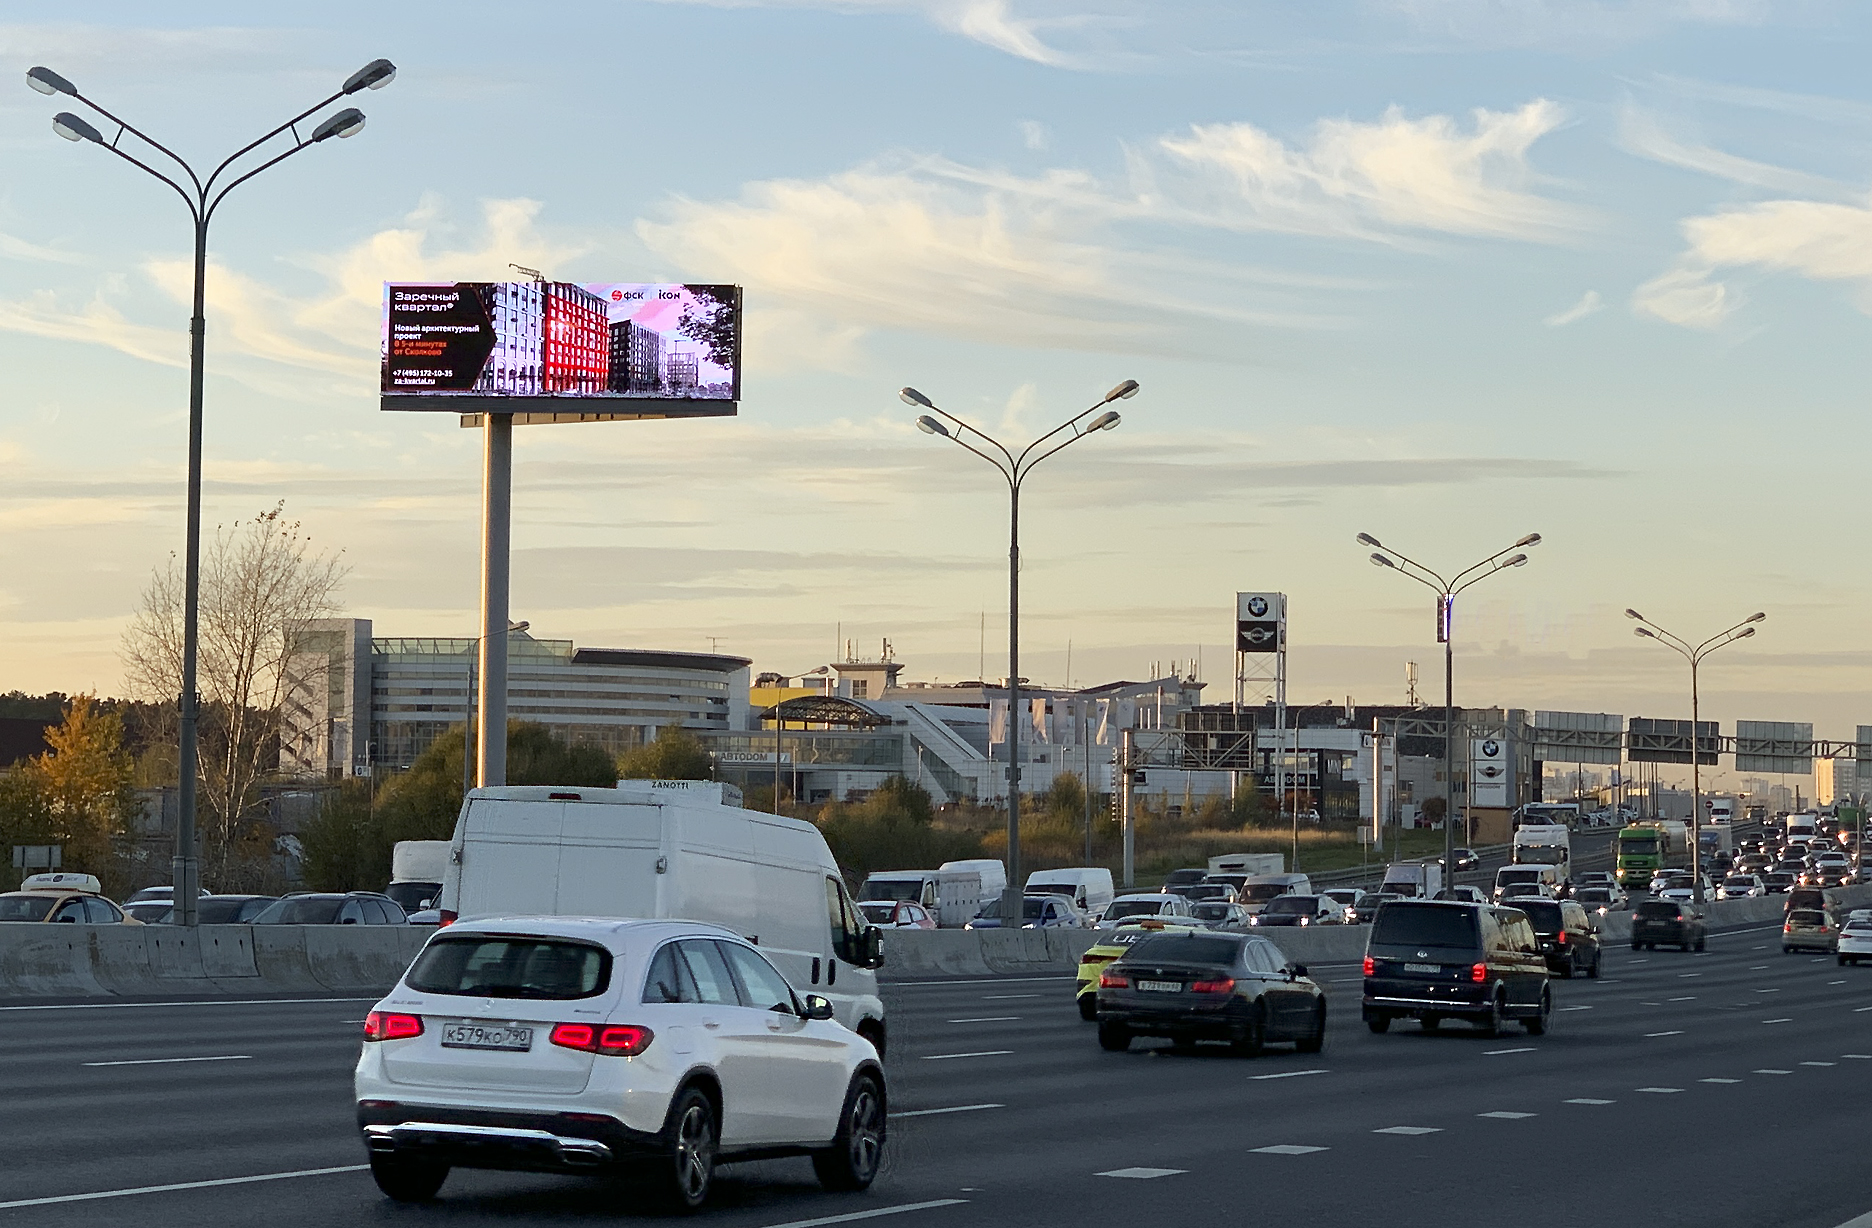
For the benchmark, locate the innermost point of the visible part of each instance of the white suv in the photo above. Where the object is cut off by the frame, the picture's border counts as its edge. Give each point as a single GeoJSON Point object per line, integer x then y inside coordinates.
{"type": "Point", "coordinates": [559, 1044]}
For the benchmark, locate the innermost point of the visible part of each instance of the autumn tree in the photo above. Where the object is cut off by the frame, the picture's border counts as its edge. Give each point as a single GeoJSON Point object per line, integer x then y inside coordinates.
{"type": "Point", "coordinates": [77, 794]}
{"type": "Point", "coordinates": [261, 581]}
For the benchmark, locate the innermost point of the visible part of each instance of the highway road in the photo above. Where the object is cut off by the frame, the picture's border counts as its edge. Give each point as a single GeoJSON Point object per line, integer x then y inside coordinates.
{"type": "Point", "coordinates": [1714, 1089]}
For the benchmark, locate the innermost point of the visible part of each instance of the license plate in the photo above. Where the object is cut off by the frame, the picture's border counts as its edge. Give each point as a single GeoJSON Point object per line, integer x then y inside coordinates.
{"type": "Point", "coordinates": [485, 1036]}
{"type": "Point", "coordinates": [1423, 967]}
{"type": "Point", "coordinates": [1160, 986]}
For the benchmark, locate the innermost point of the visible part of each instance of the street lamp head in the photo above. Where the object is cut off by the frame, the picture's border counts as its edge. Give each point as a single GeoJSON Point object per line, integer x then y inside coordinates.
{"type": "Point", "coordinates": [48, 82]}
{"type": "Point", "coordinates": [373, 76]}
{"type": "Point", "coordinates": [1532, 539]}
{"type": "Point", "coordinates": [1745, 633]}
{"type": "Point", "coordinates": [1366, 539]}
{"type": "Point", "coordinates": [1757, 617]}
{"type": "Point", "coordinates": [1379, 560]}
{"type": "Point", "coordinates": [910, 396]}
{"type": "Point", "coordinates": [72, 128]}
{"type": "Point", "coordinates": [929, 426]}
{"type": "Point", "coordinates": [1629, 613]}
{"type": "Point", "coordinates": [1122, 392]}
{"type": "Point", "coordinates": [1643, 633]}
{"type": "Point", "coordinates": [347, 123]}
{"type": "Point", "coordinates": [522, 625]}
{"type": "Point", "coordinates": [1105, 421]}
{"type": "Point", "coordinates": [1519, 560]}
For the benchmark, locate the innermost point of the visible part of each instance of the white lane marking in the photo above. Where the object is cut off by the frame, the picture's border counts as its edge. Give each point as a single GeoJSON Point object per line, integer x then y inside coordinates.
{"type": "Point", "coordinates": [1143, 1174]}
{"type": "Point", "coordinates": [1836, 982]}
{"type": "Point", "coordinates": [1819, 1063]}
{"type": "Point", "coordinates": [1285, 1149]}
{"type": "Point", "coordinates": [1655, 1035]}
{"type": "Point", "coordinates": [954, 1108]}
{"type": "Point", "coordinates": [1860, 1010]}
{"type": "Point", "coordinates": [1859, 1057]}
{"type": "Point", "coordinates": [184, 1185]}
{"type": "Point", "coordinates": [1770, 1070]}
{"type": "Point", "coordinates": [1760, 948]}
{"type": "Point", "coordinates": [131, 1006]}
{"type": "Point", "coordinates": [1288, 1074]}
{"type": "Point", "coordinates": [1719, 1080]}
{"type": "Point", "coordinates": [170, 1061]}
{"type": "Point", "coordinates": [988, 1019]}
{"type": "Point", "coordinates": [1684, 974]}
{"type": "Point", "coordinates": [1757, 967]}
{"type": "Point", "coordinates": [849, 1216]}
{"type": "Point", "coordinates": [1007, 997]}
{"type": "Point", "coordinates": [944, 1057]}
{"type": "Point", "coordinates": [1576, 1008]}
{"type": "Point", "coordinates": [1645, 960]}
{"type": "Point", "coordinates": [1691, 998]}
{"type": "Point", "coordinates": [1767, 991]}
{"type": "Point", "coordinates": [1662, 1091]}
{"type": "Point", "coordinates": [1504, 1116]}
{"type": "Point", "coordinates": [1499, 1052]}
{"type": "Point", "coordinates": [1777, 1021]}
{"type": "Point", "coordinates": [1411, 1130]}
{"type": "Point", "coordinates": [1588, 1100]}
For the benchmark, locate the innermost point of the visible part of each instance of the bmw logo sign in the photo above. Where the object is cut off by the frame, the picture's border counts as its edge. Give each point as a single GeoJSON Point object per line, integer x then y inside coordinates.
{"type": "Point", "coordinates": [1491, 748]}
{"type": "Point", "coordinates": [1257, 606]}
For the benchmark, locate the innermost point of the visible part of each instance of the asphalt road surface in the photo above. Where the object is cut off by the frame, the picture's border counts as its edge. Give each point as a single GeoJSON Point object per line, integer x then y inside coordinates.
{"type": "Point", "coordinates": [1714, 1089]}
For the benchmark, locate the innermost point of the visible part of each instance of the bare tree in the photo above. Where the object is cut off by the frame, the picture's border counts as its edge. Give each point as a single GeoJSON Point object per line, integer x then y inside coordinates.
{"type": "Point", "coordinates": [261, 582]}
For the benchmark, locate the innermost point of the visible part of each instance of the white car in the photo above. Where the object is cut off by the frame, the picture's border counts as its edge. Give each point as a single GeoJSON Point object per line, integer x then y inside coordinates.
{"type": "Point", "coordinates": [1855, 940]}
{"type": "Point", "coordinates": [577, 1045]}
{"type": "Point", "coordinates": [1741, 886]}
{"type": "Point", "coordinates": [1143, 904]}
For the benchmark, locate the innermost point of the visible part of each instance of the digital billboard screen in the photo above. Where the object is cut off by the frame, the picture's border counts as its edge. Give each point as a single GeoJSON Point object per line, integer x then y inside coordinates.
{"type": "Point", "coordinates": [529, 346]}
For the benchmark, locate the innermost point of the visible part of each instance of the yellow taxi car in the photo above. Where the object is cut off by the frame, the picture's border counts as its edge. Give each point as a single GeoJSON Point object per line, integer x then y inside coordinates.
{"type": "Point", "coordinates": [1111, 945]}
{"type": "Point", "coordinates": [60, 896]}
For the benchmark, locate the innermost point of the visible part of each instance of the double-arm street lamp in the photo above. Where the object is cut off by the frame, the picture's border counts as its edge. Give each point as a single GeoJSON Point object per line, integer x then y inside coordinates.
{"type": "Point", "coordinates": [1646, 629]}
{"type": "Point", "coordinates": [1014, 470]}
{"type": "Point", "coordinates": [203, 197]}
{"type": "Point", "coordinates": [1446, 591]}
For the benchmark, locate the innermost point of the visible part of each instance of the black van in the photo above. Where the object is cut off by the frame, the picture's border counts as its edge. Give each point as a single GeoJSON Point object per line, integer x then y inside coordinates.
{"type": "Point", "coordinates": [1433, 960]}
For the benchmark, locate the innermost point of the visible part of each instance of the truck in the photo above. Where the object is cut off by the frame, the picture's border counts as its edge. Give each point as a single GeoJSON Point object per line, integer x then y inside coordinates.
{"type": "Point", "coordinates": [1247, 863]}
{"type": "Point", "coordinates": [416, 868]}
{"type": "Point", "coordinates": [1548, 845]}
{"type": "Point", "coordinates": [1720, 808]}
{"type": "Point", "coordinates": [953, 897]}
{"type": "Point", "coordinates": [1803, 826]}
{"type": "Point", "coordinates": [1645, 848]}
{"type": "Point", "coordinates": [1716, 836]}
{"type": "Point", "coordinates": [1418, 879]}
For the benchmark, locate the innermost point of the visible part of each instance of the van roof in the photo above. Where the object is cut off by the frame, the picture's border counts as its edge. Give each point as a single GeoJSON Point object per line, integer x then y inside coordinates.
{"type": "Point", "coordinates": [611, 932]}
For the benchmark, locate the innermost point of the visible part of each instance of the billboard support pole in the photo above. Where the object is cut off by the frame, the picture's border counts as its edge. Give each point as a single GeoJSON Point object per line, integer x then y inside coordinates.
{"type": "Point", "coordinates": [496, 536]}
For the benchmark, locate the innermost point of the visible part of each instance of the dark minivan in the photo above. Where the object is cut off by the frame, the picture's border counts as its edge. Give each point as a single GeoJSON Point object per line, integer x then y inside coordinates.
{"type": "Point", "coordinates": [1567, 935]}
{"type": "Point", "coordinates": [1668, 923]}
{"type": "Point", "coordinates": [1433, 960]}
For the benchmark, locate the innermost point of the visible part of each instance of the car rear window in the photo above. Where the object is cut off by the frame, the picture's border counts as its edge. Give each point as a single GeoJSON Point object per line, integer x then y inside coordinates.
{"type": "Point", "coordinates": [309, 911]}
{"type": "Point", "coordinates": [1424, 926]}
{"type": "Point", "coordinates": [510, 967]}
{"type": "Point", "coordinates": [1305, 905]}
{"type": "Point", "coordinates": [1807, 916]}
{"type": "Point", "coordinates": [1545, 914]}
{"type": "Point", "coordinates": [1657, 910]}
{"type": "Point", "coordinates": [1186, 949]}
{"type": "Point", "coordinates": [1594, 895]}
{"type": "Point", "coordinates": [1134, 908]}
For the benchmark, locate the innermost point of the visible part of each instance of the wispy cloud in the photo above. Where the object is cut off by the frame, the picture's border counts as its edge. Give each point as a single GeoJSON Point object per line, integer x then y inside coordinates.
{"type": "Point", "coordinates": [1818, 240]}
{"type": "Point", "coordinates": [999, 24]}
{"type": "Point", "coordinates": [1589, 303]}
{"type": "Point", "coordinates": [1570, 23]}
{"type": "Point", "coordinates": [1644, 134]}
{"type": "Point", "coordinates": [1685, 296]}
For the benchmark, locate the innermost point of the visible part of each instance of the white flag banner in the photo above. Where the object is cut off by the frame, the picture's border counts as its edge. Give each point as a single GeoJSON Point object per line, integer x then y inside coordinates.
{"type": "Point", "coordinates": [1127, 714]}
{"type": "Point", "coordinates": [1104, 735]}
{"type": "Point", "coordinates": [997, 721]}
{"type": "Point", "coordinates": [1040, 730]}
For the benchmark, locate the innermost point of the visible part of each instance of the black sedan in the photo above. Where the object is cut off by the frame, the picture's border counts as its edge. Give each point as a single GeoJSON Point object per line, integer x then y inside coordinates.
{"type": "Point", "coordinates": [1229, 987]}
{"type": "Point", "coordinates": [1368, 905]}
{"type": "Point", "coordinates": [1466, 860]}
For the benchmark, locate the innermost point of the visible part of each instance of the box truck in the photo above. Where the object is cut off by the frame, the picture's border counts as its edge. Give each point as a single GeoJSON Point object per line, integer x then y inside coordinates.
{"type": "Point", "coordinates": [416, 868]}
{"type": "Point", "coordinates": [670, 848]}
{"type": "Point", "coordinates": [953, 897]}
{"type": "Point", "coordinates": [1417, 879]}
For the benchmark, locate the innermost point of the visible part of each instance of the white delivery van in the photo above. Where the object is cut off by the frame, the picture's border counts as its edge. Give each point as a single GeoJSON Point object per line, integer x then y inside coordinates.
{"type": "Point", "coordinates": [669, 849]}
{"type": "Point", "coordinates": [1415, 879]}
{"type": "Point", "coordinates": [992, 873]}
{"type": "Point", "coordinates": [1247, 863]}
{"type": "Point", "coordinates": [953, 897]}
{"type": "Point", "coordinates": [1090, 887]}
{"type": "Point", "coordinates": [1258, 889]}
{"type": "Point", "coordinates": [416, 868]}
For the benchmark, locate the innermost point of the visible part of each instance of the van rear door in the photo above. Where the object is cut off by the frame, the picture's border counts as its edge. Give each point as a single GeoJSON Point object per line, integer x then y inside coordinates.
{"type": "Point", "coordinates": [607, 860]}
{"type": "Point", "coordinates": [510, 857]}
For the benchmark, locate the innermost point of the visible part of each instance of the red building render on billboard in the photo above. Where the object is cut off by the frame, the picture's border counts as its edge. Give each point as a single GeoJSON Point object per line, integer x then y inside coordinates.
{"type": "Point", "coordinates": [577, 340]}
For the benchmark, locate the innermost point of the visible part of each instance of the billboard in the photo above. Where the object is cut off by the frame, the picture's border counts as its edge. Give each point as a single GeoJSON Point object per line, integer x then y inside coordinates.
{"type": "Point", "coordinates": [1579, 737]}
{"type": "Point", "coordinates": [1488, 772]}
{"type": "Point", "coordinates": [641, 350]}
{"type": "Point", "coordinates": [1774, 746]}
{"type": "Point", "coordinates": [1260, 622]}
{"type": "Point", "coordinates": [1658, 741]}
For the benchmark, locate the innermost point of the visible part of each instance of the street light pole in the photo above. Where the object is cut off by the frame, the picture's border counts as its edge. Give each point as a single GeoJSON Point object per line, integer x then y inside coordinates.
{"type": "Point", "coordinates": [1446, 591]}
{"type": "Point", "coordinates": [202, 199]}
{"type": "Point", "coordinates": [1646, 629]}
{"type": "Point", "coordinates": [778, 725]}
{"type": "Point", "coordinates": [1014, 470]}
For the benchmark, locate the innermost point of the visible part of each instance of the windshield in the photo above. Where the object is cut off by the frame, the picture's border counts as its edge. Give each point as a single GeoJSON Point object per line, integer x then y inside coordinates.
{"type": "Point", "coordinates": [1594, 895]}
{"type": "Point", "coordinates": [1510, 875]}
{"type": "Point", "coordinates": [1206, 891]}
{"type": "Point", "coordinates": [1638, 846]}
{"type": "Point", "coordinates": [511, 968]}
{"type": "Point", "coordinates": [1542, 854]}
{"type": "Point", "coordinates": [1743, 883]}
{"type": "Point", "coordinates": [1424, 926]}
{"type": "Point", "coordinates": [1806, 916]}
{"type": "Point", "coordinates": [414, 897]}
{"type": "Point", "coordinates": [25, 907]}
{"type": "Point", "coordinates": [1210, 912]}
{"type": "Point", "coordinates": [1186, 949]}
{"type": "Point", "coordinates": [1133, 908]}
{"type": "Point", "coordinates": [1261, 893]}
{"type": "Point", "coordinates": [1658, 910]}
{"type": "Point", "coordinates": [1066, 889]}
{"type": "Point", "coordinates": [1304, 905]}
{"type": "Point", "coordinates": [878, 912]}
{"type": "Point", "coordinates": [306, 911]}
{"type": "Point", "coordinates": [890, 889]}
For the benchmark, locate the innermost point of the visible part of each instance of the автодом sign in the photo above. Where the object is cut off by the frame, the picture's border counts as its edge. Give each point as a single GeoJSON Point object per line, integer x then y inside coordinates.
{"type": "Point", "coordinates": [474, 346]}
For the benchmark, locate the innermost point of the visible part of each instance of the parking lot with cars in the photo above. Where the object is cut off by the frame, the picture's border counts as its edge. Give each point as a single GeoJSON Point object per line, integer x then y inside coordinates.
{"type": "Point", "coordinates": [1005, 1110]}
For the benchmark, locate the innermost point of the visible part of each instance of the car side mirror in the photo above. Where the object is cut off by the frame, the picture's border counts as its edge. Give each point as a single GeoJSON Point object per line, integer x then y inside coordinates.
{"type": "Point", "coordinates": [872, 945]}
{"type": "Point", "coordinates": [817, 1007]}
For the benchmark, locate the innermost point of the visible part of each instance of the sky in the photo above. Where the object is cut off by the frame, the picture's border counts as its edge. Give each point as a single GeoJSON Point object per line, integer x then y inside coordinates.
{"type": "Point", "coordinates": [1443, 271]}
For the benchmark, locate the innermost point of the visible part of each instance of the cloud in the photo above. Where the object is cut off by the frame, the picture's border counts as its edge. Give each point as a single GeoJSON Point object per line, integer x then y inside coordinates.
{"type": "Point", "coordinates": [1367, 179]}
{"type": "Point", "coordinates": [1588, 303]}
{"type": "Point", "coordinates": [94, 323]}
{"type": "Point", "coordinates": [992, 23]}
{"type": "Point", "coordinates": [1033, 134]}
{"type": "Point", "coordinates": [1643, 134]}
{"type": "Point", "coordinates": [1684, 296]}
{"type": "Point", "coordinates": [1572, 22]}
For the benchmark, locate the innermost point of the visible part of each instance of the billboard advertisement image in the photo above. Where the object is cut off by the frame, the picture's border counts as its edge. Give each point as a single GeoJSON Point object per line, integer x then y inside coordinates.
{"type": "Point", "coordinates": [516, 346]}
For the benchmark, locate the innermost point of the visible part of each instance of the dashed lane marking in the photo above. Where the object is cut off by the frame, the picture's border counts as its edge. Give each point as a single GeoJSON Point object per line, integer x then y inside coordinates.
{"type": "Point", "coordinates": [1285, 1149]}
{"type": "Point", "coordinates": [184, 1185]}
{"type": "Point", "coordinates": [1719, 1080]}
{"type": "Point", "coordinates": [1576, 1008]}
{"type": "Point", "coordinates": [1858, 1057]}
{"type": "Point", "coordinates": [850, 1216]}
{"type": "Point", "coordinates": [1143, 1174]}
{"type": "Point", "coordinates": [954, 1108]}
{"type": "Point", "coordinates": [1777, 1021]}
{"type": "Point", "coordinates": [1506, 1116]}
{"type": "Point", "coordinates": [1770, 1070]}
{"type": "Point", "coordinates": [1499, 1052]}
{"type": "Point", "coordinates": [1836, 982]}
{"type": "Point", "coordinates": [944, 1057]}
{"type": "Point", "coordinates": [1757, 967]}
{"type": "Point", "coordinates": [1588, 1100]}
{"type": "Point", "coordinates": [1289, 1074]}
{"type": "Point", "coordinates": [1860, 1010]}
{"type": "Point", "coordinates": [1684, 974]}
{"type": "Point", "coordinates": [1662, 1091]}
{"type": "Point", "coordinates": [1767, 991]}
{"type": "Point", "coordinates": [1691, 998]}
{"type": "Point", "coordinates": [1007, 997]}
{"type": "Point", "coordinates": [1655, 1035]}
{"type": "Point", "coordinates": [1411, 1130]}
{"type": "Point", "coordinates": [1819, 1063]}
{"type": "Point", "coordinates": [988, 1019]}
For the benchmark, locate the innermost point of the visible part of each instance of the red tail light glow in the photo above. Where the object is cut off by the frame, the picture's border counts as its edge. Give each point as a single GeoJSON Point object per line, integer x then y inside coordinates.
{"type": "Point", "coordinates": [387, 1025]}
{"type": "Point", "coordinates": [1478, 973]}
{"type": "Point", "coordinates": [448, 918]}
{"type": "Point", "coordinates": [1108, 981]}
{"type": "Point", "coordinates": [1560, 938]}
{"type": "Point", "coordinates": [609, 1040]}
{"type": "Point", "coordinates": [1370, 965]}
{"type": "Point", "coordinates": [1225, 985]}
